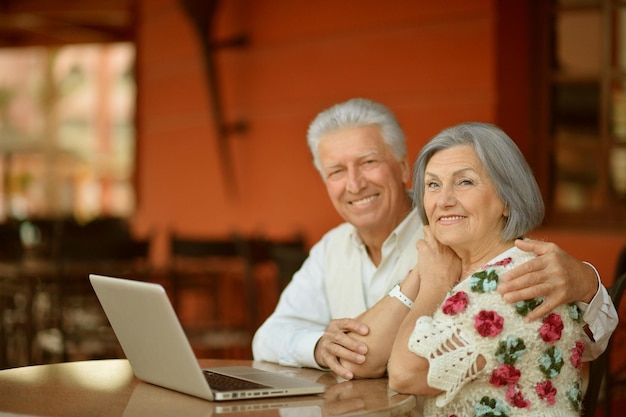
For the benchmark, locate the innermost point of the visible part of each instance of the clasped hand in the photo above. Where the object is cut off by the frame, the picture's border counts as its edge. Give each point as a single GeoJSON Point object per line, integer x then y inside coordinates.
{"type": "Point", "coordinates": [336, 345]}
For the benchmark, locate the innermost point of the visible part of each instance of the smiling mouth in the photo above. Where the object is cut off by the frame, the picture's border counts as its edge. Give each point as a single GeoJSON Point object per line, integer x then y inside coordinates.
{"type": "Point", "coordinates": [364, 200]}
{"type": "Point", "coordinates": [451, 218]}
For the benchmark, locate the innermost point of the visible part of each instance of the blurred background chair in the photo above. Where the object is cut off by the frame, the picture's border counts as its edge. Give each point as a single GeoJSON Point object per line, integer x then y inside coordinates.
{"type": "Point", "coordinates": [68, 319]}
{"type": "Point", "coordinates": [289, 256]}
{"type": "Point", "coordinates": [106, 247]}
{"type": "Point", "coordinates": [620, 266]}
{"type": "Point", "coordinates": [213, 290]}
{"type": "Point", "coordinates": [15, 299]}
{"type": "Point", "coordinates": [602, 379]}
{"type": "Point", "coordinates": [223, 288]}
{"type": "Point", "coordinates": [614, 388]}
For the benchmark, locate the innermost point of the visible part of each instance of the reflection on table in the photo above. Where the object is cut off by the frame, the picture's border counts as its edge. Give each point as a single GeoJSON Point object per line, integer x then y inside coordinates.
{"type": "Point", "coordinates": [109, 388]}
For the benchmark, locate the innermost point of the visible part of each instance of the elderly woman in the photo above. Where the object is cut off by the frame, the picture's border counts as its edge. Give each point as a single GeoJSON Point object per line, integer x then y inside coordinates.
{"type": "Point", "coordinates": [462, 345]}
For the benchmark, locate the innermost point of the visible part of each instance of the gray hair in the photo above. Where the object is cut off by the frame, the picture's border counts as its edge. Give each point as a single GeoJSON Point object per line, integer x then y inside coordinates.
{"type": "Point", "coordinates": [357, 112]}
{"type": "Point", "coordinates": [512, 177]}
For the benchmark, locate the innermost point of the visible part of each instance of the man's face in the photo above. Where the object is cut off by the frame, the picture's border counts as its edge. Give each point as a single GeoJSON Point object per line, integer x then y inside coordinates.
{"type": "Point", "coordinates": [365, 183]}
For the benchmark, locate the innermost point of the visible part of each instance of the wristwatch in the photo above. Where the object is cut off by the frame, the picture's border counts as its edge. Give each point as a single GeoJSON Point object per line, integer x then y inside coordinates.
{"type": "Point", "coordinates": [396, 293]}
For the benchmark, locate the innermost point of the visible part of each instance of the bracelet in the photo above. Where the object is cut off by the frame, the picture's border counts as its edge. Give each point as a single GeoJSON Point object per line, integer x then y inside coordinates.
{"type": "Point", "coordinates": [397, 293]}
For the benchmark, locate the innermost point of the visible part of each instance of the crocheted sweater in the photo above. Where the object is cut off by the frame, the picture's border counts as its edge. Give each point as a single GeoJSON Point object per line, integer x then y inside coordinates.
{"type": "Point", "coordinates": [532, 369]}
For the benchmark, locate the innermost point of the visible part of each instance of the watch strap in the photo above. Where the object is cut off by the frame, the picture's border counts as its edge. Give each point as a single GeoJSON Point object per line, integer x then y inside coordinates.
{"type": "Point", "coordinates": [397, 293]}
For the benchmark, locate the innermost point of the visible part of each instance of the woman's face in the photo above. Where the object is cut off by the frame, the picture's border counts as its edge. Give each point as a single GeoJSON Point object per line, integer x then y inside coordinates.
{"type": "Point", "coordinates": [460, 200]}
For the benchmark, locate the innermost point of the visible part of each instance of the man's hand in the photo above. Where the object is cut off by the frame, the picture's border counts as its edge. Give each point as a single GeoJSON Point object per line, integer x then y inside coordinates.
{"type": "Point", "coordinates": [335, 345]}
{"type": "Point", "coordinates": [554, 274]}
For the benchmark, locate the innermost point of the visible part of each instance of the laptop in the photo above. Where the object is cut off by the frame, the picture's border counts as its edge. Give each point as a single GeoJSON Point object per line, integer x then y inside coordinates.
{"type": "Point", "coordinates": [159, 352]}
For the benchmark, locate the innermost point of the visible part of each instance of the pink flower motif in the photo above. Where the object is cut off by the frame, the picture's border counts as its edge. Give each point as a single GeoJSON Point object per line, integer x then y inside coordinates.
{"type": "Point", "coordinates": [504, 375]}
{"type": "Point", "coordinates": [516, 398]}
{"type": "Point", "coordinates": [577, 353]}
{"type": "Point", "coordinates": [502, 262]}
{"type": "Point", "coordinates": [488, 323]}
{"type": "Point", "coordinates": [552, 328]}
{"type": "Point", "coordinates": [456, 303]}
{"type": "Point", "coordinates": [546, 391]}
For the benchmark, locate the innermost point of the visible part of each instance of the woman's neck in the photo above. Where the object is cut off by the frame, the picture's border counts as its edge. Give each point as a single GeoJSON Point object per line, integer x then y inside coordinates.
{"type": "Point", "coordinates": [472, 261]}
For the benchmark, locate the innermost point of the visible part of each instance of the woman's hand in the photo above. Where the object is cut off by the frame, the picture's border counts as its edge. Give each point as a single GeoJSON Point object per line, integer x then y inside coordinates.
{"type": "Point", "coordinates": [439, 269]}
{"type": "Point", "coordinates": [437, 264]}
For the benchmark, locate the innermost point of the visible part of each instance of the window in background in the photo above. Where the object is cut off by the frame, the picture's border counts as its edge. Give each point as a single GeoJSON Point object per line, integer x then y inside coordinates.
{"type": "Point", "coordinates": [582, 111]}
{"type": "Point", "coordinates": [67, 139]}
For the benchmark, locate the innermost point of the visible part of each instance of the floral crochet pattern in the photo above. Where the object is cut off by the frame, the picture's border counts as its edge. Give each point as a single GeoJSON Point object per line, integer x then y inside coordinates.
{"type": "Point", "coordinates": [552, 328]}
{"type": "Point", "coordinates": [491, 407]}
{"type": "Point", "coordinates": [525, 307]}
{"type": "Point", "coordinates": [574, 312]}
{"type": "Point", "coordinates": [575, 396]}
{"type": "Point", "coordinates": [455, 304]}
{"type": "Point", "coordinates": [488, 323]}
{"type": "Point", "coordinates": [502, 262]}
{"type": "Point", "coordinates": [577, 354]}
{"type": "Point", "coordinates": [484, 281]}
{"type": "Point", "coordinates": [531, 369]}
{"type": "Point", "coordinates": [504, 375]}
{"type": "Point", "coordinates": [510, 350]}
{"type": "Point", "coordinates": [546, 391]}
{"type": "Point", "coordinates": [551, 362]}
{"type": "Point", "coordinates": [516, 398]}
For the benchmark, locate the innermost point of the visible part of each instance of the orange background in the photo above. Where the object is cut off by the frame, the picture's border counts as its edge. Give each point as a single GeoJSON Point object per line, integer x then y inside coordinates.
{"type": "Point", "coordinates": [434, 63]}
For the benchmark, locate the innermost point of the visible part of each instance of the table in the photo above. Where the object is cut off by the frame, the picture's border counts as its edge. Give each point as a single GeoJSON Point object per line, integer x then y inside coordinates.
{"type": "Point", "coordinates": [108, 388]}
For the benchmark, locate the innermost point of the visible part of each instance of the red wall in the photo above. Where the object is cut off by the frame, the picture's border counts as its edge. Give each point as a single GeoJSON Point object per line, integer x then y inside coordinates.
{"type": "Point", "coordinates": [434, 63]}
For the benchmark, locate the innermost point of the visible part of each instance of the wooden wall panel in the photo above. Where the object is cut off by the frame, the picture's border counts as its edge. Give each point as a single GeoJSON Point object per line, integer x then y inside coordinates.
{"type": "Point", "coordinates": [431, 62]}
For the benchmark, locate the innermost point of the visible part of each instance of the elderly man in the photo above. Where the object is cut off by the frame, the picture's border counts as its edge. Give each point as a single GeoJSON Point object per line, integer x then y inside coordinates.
{"type": "Point", "coordinates": [360, 151]}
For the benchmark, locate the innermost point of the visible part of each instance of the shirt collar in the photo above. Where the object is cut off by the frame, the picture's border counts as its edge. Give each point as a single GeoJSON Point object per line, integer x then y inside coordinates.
{"type": "Point", "coordinates": [401, 236]}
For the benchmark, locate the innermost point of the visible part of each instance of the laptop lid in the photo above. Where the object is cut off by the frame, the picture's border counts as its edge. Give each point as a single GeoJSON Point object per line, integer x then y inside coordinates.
{"type": "Point", "coordinates": [159, 352]}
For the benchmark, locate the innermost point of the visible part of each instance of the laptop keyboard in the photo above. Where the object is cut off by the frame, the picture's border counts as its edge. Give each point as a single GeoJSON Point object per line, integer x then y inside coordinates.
{"type": "Point", "coordinates": [219, 382]}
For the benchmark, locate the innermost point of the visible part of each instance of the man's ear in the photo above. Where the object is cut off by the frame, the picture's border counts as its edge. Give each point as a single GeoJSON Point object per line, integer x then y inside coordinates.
{"type": "Point", "coordinates": [406, 170]}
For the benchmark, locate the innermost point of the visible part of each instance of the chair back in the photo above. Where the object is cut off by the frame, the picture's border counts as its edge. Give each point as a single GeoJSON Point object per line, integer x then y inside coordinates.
{"type": "Point", "coordinates": [11, 246]}
{"type": "Point", "coordinates": [213, 289]}
{"type": "Point", "coordinates": [598, 367]}
{"type": "Point", "coordinates": [289, 257]}
{"type": "Point", "coordinates": [620, 266]}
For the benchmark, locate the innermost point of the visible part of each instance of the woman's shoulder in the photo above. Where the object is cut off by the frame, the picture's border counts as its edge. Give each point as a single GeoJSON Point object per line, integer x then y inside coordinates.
{"type": "Point", "coordinates": [510, 258]}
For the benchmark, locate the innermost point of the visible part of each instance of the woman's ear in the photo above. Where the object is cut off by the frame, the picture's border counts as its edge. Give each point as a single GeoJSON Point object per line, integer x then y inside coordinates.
{"type": "Point", "coordinates": [506, 212]}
